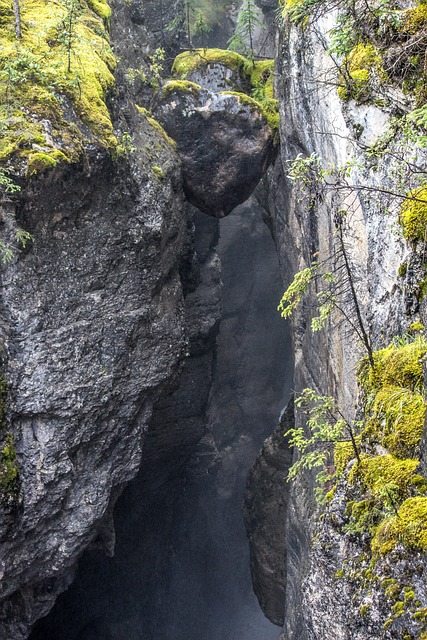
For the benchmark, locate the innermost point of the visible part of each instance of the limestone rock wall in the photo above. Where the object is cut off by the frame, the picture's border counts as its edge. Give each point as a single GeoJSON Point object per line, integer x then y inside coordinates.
{"type": "Point", "coordinates": [315, 120]}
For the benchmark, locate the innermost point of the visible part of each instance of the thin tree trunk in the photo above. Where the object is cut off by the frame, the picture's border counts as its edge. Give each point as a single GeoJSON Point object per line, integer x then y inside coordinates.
{"type": "Point", "coordinates": [360, 322]}
{"type": "Point", "coordinates": [17, 12]}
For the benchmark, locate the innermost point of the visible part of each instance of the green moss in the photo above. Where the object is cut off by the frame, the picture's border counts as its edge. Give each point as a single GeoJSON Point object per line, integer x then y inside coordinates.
{"type": "Point", "coordinates": [259, 75]}
{"type": "Point", "coordinates": [364, 610]}
{"type": "Point", "coordinates": [35, 81]}
{"type": "Point", "coordinates": [197, 58]}
{"type": "Point", "coordinates": [397, 420]}
{"type": "Point", "coordinates": [416, 327]}
{"type": "Point", "coordinates": [402, 270]}
{"type": "Point", "coordinates": [101, 8]}
{"type": "Point", "coordinates": [156, 126]}
{"type": "Point", "coordinates": [262, 79]}
{"type": "Point", "coordinates": [408, 527]}
{"type": "Point", "coordinates": [343, 453]}
{"type": "Point", "coordinates": [158, 171]}
{"type": "Point", "coordinates": [414, 19]}
{"type": "Point", "coordinates": [269, 111]}
{"type": "Point", "coordinates": [181, 86]}
{"type": "Point", "coordinates": [408, 594]}
{"type": "Point", "coordinates": [395, 366]}
{"type": "Point", "coordinates": [358, 67]}
{"type": "Point", "coordinates": [421, 615]}
{"type": "Point", "coordinates": [9, 473]}
{"type": "Point", "coordinates": [39, 162]}
{"type": "Point", "coordinates": [386, 470]}
{"type": "Point", "coordinates": [393, 592]}
{"type": "Point", "coordinates": [398, 609]}
{"type": "Point", "coordinates": [413, 215]}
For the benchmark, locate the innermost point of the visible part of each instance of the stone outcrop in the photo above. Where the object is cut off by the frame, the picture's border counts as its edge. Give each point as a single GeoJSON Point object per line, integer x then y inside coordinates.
{"type": "Point", "coordinates": [93, 332]}
{"type": "Point", "coordinates": [93, 328]}
{"type": "Point", "coordinates": [265, 510]}
{"type": "Point", "coordinates": [224, 142]}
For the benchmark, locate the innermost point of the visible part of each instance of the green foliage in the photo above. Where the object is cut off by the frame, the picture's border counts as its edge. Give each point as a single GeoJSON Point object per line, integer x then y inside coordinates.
{"type": "Point", "coordinates": [8, 249]}
{"type": "Point", "coordinates": [63, 56]}
{"type": "Point", "coordinates": [201, 29]}
{"type": "Point", "coordinates": [297, 290]}
{"type": "Point", "coordinates": [6, 183]}
{"type": "Point", "coordinates": [125, 147]}
{"type": "Point", "coordinates": [244, 32]}
{"type": "Point", "coordinates": [9, 473]}
{"type": "Point", "coordinates": [413, 215]}
{"type": "Point", "coordinates": [325, 426]}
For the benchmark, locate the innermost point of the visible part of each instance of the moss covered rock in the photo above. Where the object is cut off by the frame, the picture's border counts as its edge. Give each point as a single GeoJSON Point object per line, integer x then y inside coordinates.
{"type": "Point", "coordinates": [413, 215]}
{"type": "Point", "coordinates": [54, 83]}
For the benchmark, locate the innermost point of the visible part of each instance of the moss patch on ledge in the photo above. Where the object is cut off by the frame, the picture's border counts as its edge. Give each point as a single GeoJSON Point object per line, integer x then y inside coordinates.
{"type": "Point", "coordinates": [269, 110]}
{"type": "Point", "coordinates": [413, 215]}
{"type": "Point", "coordinates": [360, 66]}
{"type": "Point", "coordinates": [181, 86]}
{"type": "Point", "coordinates": [407, 527]}
{"type": "Point", "coordinates": [9, 474]}
{"type": "Point", "coordinates": [54, 82]}
{"type": "Point", "coordinates": [198, 58]}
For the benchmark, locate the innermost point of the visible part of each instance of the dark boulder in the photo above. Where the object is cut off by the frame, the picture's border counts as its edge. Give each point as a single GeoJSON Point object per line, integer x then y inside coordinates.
{"type": "Point", "coordinates": [224, 141]}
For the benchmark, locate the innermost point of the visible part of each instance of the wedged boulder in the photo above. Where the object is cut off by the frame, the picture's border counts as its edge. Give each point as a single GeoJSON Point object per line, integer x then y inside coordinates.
{"type": "Point", "coordinates": [224, 141]}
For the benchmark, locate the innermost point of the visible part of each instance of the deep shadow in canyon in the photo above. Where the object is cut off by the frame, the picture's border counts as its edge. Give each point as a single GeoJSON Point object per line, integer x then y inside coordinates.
{"type": "Point", "coordinates": [181, 564]}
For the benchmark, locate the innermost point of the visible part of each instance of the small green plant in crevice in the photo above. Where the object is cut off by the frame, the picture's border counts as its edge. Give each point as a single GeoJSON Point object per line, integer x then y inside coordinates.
{"type": "Point", "coordinates": [125, 147]}
{"type": "Point", "coordinates": [9, 473]}
{"type": "Point", "coordinates": [326, 426]}
{"type": "Point", "coordinates": [158, 171]}
{"type": "Point", "coordinates": [9, 247]}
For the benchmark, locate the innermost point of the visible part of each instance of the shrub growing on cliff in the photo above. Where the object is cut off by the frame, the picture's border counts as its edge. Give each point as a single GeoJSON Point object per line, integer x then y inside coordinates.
{"type": "Point", "coordinates": [326, 426]}
{"type": "Point", "coordinates": [244, 32]}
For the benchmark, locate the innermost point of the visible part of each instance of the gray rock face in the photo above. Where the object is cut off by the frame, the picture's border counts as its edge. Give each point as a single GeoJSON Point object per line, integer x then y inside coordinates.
{"type": "Point", "coordinates": [93, 327]}
{"type": "Point", "coordinates": [225, 146]}
{"type": "Point", "coordinates": [313, 120]}
{"type": "Point", "coordinates": [345, 597]}
{"type": "Point", "coordinates": [265, 509]}
{"type": "Point", "coordinates": [135, 581]}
